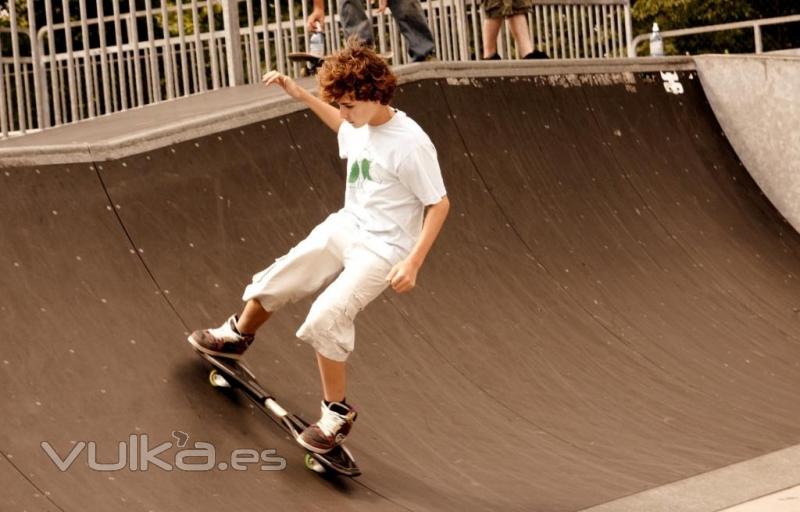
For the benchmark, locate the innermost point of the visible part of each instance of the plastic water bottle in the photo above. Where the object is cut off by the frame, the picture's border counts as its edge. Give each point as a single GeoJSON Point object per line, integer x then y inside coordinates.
{"type": "Point", "coordinates": [656, 42]}
{"type": "Point", "coordinates": [316, 43]}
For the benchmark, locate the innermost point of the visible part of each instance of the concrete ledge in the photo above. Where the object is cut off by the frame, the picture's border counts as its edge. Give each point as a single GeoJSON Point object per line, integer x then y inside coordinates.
{"type": "Point", "coordinates": [421, 71]}
{"type": "Point", "coordinates": [718, 489]}
{"type": "Point", "coordinates": [791, 51]}
{"type": "Point", "coordinates": [147, 128]}
{"type": "Point", "coordinates": [144, 129]}
{"type": "Point", "coordinates": [785, 501]}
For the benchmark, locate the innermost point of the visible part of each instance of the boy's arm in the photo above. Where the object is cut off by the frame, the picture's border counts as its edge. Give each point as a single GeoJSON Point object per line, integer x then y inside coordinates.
{"type": "Point", "coordinates": [327, 113]}
{"type": "Point", "coordinates": [403, 276]}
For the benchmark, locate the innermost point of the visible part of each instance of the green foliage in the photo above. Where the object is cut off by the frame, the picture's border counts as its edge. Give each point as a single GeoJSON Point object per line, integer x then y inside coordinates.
{"type": "Point", "coordinates": [677, 14]}
{"type": "Point", "coordinates": [22, 14]}
{"type": "Point", "coordinates": [188, 20]}
{"type": "Point", "coordinates": [22, 25]}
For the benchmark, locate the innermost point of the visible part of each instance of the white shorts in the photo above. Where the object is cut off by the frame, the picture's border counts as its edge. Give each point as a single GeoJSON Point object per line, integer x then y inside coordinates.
{"type": "Point", "coordinates": [331, 252]}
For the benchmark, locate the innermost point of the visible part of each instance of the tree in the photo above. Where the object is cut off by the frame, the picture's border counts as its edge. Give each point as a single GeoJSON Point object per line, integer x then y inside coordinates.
{"type": "Point", "coordinates": [676, 14]}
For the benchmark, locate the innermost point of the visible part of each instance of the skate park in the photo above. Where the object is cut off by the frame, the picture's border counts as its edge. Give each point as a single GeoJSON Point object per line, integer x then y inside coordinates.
{"type": "Point", "coordinates": [608, 322]}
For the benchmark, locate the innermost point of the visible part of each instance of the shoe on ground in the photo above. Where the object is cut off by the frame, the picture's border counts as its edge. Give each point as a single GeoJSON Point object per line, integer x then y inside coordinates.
{"type": "Point", "coordinates": [431, 57]}
{"type": "Point", "coordinates": [331, 429]}
{"type": "Point", "coordinates": [224, 341]}
{"type": "Point", "coordinates": [536, 54]}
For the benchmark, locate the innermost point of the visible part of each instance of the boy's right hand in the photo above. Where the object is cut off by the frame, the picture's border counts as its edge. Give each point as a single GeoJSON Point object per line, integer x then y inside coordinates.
{"type": "Point", "coordinates": [382, 4]}
{"type": "Point", "coordinates": [316, 16]}
{"type": "Point", "coordinates": [289, 85]}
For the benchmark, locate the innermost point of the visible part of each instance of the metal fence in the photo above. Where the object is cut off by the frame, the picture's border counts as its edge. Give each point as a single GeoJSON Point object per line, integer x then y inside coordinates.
{"type": "Point", "coordinates": [68, 60]}
{"type": "Point", "coordinates": [755, 25]}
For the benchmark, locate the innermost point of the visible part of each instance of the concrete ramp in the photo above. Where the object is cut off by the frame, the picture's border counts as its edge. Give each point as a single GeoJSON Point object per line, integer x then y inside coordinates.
{"type": "Point", "coordinates": [613, 306]}
{"type": "Point", "coordinates": [756, 99]}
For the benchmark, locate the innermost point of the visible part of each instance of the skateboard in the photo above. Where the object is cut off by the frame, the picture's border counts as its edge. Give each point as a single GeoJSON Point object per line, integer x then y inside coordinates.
{"type": "Point", "coordinates": [313, 62]}
{"type": "Point", "coordinates": [230, 373]}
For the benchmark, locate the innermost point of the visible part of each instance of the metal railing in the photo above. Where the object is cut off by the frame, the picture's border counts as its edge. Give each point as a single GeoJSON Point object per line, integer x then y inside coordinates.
{"type": "Point", "coordinates": [752, 24]}
{"type": "Point", "coordinates": [94, 57]}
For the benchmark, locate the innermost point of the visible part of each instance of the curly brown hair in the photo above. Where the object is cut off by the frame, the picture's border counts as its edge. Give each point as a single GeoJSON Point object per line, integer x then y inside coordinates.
{"type": "Point", "coordinates": [358, 70]}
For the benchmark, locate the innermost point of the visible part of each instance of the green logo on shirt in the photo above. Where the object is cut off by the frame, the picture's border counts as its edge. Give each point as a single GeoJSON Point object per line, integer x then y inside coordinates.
{"type": "Point", "coordinates": [359, 170]}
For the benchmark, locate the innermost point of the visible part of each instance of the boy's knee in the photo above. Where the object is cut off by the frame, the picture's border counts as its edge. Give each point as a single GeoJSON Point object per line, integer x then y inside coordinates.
{"type": "Point", "coordinates": [328, 315]}
{"type": "Point", "coordinates": [329, 329]}
{"type": "Point", "coordinates": [326, 343]}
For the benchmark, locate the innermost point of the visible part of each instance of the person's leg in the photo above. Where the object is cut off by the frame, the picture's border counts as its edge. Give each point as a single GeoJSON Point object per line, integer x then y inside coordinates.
{"type": "Point", "coordinates": [306, 268]}
{"type": "Point", "coordinates": [353, 19]}
{"type": "Point", "coordinates": [253, 316]}
{"type": "Point", "coordinates": [334, 378]}
{"type": "Point", "coordinates": [491, 28]}
{"type": "Point", "coordinates": [519, 29]}
{"type": "Point", "coordinates": [414, 27]}
{"type": "Point", "coordinates": [330, 329]}
{"type": "Point", "coordinates": [495, 12]}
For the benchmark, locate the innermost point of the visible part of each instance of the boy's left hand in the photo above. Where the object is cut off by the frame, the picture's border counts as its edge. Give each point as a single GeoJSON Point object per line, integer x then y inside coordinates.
{"type": "Point", "coordinates": [289, 85]}
{"type": "Point", "coordinates": [403, 276]}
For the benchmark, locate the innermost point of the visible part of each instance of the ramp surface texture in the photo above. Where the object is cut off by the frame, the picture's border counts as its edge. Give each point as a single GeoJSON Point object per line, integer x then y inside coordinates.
{"type": "Point", "coordinates": [612, 306]}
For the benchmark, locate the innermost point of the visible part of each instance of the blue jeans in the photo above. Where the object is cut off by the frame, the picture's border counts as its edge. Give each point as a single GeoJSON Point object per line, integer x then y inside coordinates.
{"type": "Point", "coordinates": [410, 19]}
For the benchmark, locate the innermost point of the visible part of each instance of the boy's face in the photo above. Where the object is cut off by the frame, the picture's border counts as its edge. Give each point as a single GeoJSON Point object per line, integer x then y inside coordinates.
{"type": "Point", "coordinates": [358, 113]}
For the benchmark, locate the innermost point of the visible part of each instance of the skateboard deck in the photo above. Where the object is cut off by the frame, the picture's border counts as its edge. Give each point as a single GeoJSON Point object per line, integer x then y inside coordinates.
{"type": "Point", "coordinates": [312, 62]}
{"type": "Point", "coordinates": [231, 373]}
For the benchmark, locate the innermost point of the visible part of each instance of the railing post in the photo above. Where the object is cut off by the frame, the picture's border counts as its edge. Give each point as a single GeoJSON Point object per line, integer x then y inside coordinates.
{"type": "Point", "coordinates": [56, 84]}
{"type": "Point", "coordinates": [233, 53]}
{"type": "Point", "coordinates": [461, 24]}
{"type": "Point", "coordinates": [75, 113]}
{"type": "Point", "coordinates": [757, 35]}
{"type": "Point", "coordinates": [37, 66]}
{"type": "Point", "coordinates": [88, 62]}
{"type": "Point", "coordinates": [629, 31]}
{"type": "Point", "coordinates": [3, 112]}
{"type": "Point", "coordinates": [18, 89]}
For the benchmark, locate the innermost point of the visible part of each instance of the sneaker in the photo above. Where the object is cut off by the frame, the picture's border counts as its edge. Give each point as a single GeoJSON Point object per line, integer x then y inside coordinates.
{"type": "Point", "coordinates": [331, 429]}
{"type": "Point", "coordinates": [494, 56]}
{"type": "Point", "coordinates": [536, 54]}
{"type": "Point", "coordinates": [224, 341]}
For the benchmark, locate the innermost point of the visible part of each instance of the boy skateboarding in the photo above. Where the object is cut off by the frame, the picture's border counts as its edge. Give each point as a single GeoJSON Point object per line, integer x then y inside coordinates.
{"type": "Point", "coordinates": [395, 205]}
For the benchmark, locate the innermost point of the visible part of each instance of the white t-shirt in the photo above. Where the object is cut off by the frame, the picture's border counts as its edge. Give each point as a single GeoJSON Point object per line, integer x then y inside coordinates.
{"type": "Point", "coordinates": [392, 174]}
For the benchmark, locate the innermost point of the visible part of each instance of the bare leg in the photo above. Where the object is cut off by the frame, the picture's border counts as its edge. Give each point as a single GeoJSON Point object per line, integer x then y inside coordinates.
{"type": "Point", "coordinates": [491, 27]}
{"type": "Point", "coordinates": [333, 375]}
{"type": "Point", "coordinates": [519, 29]}
{"type": "Point", "coordinates": [252, 317]}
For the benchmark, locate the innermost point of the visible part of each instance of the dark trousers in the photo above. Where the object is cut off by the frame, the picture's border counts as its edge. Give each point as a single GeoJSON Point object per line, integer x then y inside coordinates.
{"type": "Point", "coordinates": [410, 19]}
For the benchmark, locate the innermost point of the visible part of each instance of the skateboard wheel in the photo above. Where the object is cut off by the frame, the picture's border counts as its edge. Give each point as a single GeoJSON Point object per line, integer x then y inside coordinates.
{"type": "Point", "coordinates": [217, 380]}
{"type": "Point", "coordinates": [313, 464]}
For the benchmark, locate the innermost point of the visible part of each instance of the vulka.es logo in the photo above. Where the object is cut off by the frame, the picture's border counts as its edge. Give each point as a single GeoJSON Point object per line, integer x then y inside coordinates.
{"type": "Point", "coordinates": [135, 454]}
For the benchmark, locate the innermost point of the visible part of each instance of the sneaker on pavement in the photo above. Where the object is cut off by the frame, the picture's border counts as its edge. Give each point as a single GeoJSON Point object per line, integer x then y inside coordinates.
{"type": "Point", "coordinates": [431, 57]}
{"type": "Point", "coordinates": [224, 341]}
{"type": "Point", "coordinates": [331, 429]}
{"type": "Point", "coordinates": [536, 54]}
